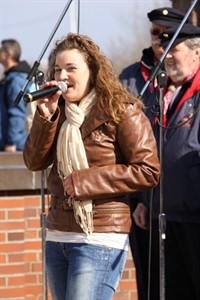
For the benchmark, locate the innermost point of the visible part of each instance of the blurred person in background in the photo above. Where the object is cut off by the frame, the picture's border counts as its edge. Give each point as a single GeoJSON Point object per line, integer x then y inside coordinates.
{"type": "Point", "coordinates": [134, 78]}
{"type": "Point", "coordinates": [12, 117]}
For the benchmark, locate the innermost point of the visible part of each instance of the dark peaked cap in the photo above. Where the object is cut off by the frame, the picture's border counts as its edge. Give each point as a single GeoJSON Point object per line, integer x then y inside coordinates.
{"type": "Point", "coordinates": [166, 16]}
{"type": "Point", "coordinates": [188, 31]}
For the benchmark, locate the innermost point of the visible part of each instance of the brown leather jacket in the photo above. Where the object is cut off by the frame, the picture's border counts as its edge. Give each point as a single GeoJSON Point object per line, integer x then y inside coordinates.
{"type": "Point", "coordinates": [123, 159]}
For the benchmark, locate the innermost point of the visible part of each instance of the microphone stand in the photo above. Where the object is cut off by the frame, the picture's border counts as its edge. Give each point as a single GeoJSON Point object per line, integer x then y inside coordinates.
{"type": "Point", "coordinates": [162, 80]}
{"type": "Point", "coordinates": [36, 64]}
{"type": "Point", "coordinates": [43, 227]}
{"type": "Point", "coordinates": [162, 217]}
{"type": "Point", "coordinates": [40, 78]}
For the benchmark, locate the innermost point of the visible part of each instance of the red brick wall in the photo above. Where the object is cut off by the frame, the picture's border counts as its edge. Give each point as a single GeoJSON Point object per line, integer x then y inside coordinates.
{"type": "Point", "coordinates": [21, 253]}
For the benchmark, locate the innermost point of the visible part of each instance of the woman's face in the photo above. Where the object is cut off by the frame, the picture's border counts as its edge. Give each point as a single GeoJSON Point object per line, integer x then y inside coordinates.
{"type": "Point", "coordinates": [71, 67]}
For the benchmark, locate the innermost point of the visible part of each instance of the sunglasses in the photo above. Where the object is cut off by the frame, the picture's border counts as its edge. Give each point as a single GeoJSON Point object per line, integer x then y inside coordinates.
{"type": "Point", "coordinates": [156, 32]}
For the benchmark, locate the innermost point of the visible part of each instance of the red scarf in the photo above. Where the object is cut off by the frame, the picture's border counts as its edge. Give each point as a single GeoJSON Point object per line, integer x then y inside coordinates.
{"type": "Point", "coordinates": [146, 74]}
{"type": "Point", "coordinates": [194, 87]}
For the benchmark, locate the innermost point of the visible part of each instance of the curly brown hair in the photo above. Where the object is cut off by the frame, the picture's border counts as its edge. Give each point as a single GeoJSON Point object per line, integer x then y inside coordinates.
{"type": "Point", "coordinates": [111, 94]}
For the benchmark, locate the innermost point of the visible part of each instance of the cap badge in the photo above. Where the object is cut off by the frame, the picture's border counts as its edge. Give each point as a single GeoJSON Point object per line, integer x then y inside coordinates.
{"type": "Point", "coordinates": [165, 12]}
{"type": "Point", "coordinates": [165, 35]}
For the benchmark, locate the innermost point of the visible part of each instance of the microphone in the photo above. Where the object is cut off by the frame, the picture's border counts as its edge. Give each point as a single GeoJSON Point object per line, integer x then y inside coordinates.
{"type": "Point", "coordinates": [30, 97]}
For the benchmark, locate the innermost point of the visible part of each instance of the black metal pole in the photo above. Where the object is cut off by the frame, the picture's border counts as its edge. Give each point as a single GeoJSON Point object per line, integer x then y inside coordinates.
{"type": "Point", "coordinates": [162, 80]}
{"type": "Point", "coordinates": [43, 233]}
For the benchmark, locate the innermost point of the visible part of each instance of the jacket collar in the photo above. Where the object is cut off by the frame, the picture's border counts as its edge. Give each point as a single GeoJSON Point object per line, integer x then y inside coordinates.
{"type": "Point", "coordinates": [96, 118]}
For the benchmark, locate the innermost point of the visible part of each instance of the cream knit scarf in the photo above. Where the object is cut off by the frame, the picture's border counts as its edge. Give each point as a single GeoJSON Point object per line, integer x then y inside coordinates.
{"type": "Point", "coordinates": [71, 154]}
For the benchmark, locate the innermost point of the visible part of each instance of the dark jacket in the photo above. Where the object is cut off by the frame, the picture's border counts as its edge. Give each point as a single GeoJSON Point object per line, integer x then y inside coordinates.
{"type": "Point", "coordinates": [13, 117]}
{"type": "Point", "coordinates": [135, 76]}
{"type": "Point", "coordinates": [181, 157]}
{"type": "Point", "coordinates": [122, 159]}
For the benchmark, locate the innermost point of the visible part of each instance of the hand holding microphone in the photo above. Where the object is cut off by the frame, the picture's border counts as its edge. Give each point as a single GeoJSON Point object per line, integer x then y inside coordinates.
{"type": "Point", "coordinates": [47, 107]}
{"type": "Point", "coordinates": [48, 91]}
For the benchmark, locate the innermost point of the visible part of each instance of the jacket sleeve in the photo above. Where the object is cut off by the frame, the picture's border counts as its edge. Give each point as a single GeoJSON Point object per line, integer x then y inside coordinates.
{"type": "Point", "coordinates": [140, 171]}
{"type": "Point", "coordinates": [38, 148]}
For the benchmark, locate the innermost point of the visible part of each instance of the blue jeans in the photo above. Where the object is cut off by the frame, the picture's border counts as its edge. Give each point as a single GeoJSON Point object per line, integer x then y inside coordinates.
{"type": "Point", "coordinates": [83, 271]}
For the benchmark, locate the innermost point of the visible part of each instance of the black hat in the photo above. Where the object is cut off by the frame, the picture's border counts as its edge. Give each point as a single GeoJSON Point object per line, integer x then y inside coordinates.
{"type": "Point", "coordinates": [188, 31]}
{"type": "Point", "coordinates": [166, 16]}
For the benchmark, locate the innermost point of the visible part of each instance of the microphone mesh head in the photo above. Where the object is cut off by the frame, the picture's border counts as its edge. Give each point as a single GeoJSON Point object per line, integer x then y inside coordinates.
{"type": "Point", "coordinates": [62, 86]}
